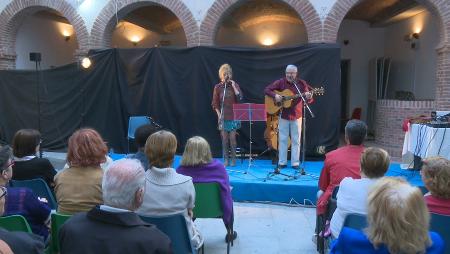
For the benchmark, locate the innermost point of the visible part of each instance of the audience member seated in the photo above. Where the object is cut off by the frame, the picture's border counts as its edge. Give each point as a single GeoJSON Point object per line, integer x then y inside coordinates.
{"type": "Point", "coordinates": [197, 163]}
{"type": "Point", "coordinates": [342, 162]}
{"type": "Point", "coordinates": [398, 222]}
{"type": "Point", "coordinates": [166, 191]}
{"type": "Point", "coordinates": [22, 201]}
{"type": "Point", "coordinates": [140, 136]}
{"type": "Point", "coordinates": [352, 194]}
{"type": "Point", "coordinates": [114, 227]}
{"type": "Point", "coordinates": [436, 177]}
{"type": "Point", "coordinates": [17, 242]}
{"type": "Point", "coordinates": [26, 144]}
{"type": "Point", "coordinates": [79, 188]}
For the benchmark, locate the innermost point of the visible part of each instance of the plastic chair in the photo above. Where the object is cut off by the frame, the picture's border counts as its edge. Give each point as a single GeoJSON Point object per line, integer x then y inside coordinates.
{"type": "Point", "coordinates": [208, 205]}
{"type": "Point", "coordinates": [356, 114]}
{"type": "Point", "coordinates": [355, 221]}
{"type": "Point", "coordinates": [39, 188]}
{"type": "Point", "coordinates": [15, 223]}
{"type": "Point", "coordinates": [175, 228]}
{"type": "Point", "coordinates": [439, 224]}
{"type": "Point", "coordinates": [57, 221]}
{"type": "Point", "coordinates": [133, 123]}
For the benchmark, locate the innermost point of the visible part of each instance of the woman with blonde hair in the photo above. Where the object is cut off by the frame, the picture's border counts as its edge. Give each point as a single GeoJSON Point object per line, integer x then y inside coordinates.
{"type": "Point", "coordinates": [197, 163]}
{"type": "Point", "coordinates": [226, 93]}
{"type": "Point", "coordinates": [166, 191]}
{"type": "Point", "coordinates": [79, 187]}
{"type": "Point", "coordinates": [398, 222]}
{"type": "Point", "coordinates": [436, 177]}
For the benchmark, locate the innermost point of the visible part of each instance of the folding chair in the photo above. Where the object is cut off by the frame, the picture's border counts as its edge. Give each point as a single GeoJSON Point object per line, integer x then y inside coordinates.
{"type": "Point", "coordinates": [133, 123]}
{"type": "Point", "coordinates": [322, 219]}
{"type": "Point", "coordinates": [208, 205]}
{"type": "Point", "coordinates": [15, 223]}
{"type": "Point", "coordinates": [57, 221]}
{"type": "Point", "coordinates": [355, 221]}
{"type": "Point", "coordinates": [39, 188]}
{"type": "Point", "coordinates": [174, 226]}
{"type": "Point", "coordinates": [439, 224]}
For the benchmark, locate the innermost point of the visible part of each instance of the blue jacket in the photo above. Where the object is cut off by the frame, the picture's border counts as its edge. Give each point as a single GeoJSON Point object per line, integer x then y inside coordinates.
{"type": "Point", "coordinates": [355, 241]}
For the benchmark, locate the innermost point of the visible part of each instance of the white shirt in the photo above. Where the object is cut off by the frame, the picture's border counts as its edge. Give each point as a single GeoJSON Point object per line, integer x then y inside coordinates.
{"type": "Point", "coordinates": [351, 198]}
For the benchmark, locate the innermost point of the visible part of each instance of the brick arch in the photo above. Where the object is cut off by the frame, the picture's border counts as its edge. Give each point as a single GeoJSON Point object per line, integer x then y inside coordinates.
{"type": "Point", "coordinates": [342, 7]}
{"type": "Point", "coordinates": [103, 28]}
{"type": "Point", "coordinates": [12, 16]}
{"type": "Point", "coordinates": [304, 9]}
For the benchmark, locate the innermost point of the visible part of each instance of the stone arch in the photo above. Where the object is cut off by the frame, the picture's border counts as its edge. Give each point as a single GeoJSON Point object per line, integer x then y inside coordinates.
{"type": "Point", "coordinates": [340, 8]}
{"type": "Point", "coordinates": [103, 28]}
{"type": "Point", "coordinates": [12, 16]}
{"type": "Point", "coordinates": [304, 9]}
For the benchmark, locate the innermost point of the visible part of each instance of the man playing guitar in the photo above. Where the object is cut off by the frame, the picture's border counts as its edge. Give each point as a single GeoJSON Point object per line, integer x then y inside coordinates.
{"type": "Point", "coordinates": [290, 118]}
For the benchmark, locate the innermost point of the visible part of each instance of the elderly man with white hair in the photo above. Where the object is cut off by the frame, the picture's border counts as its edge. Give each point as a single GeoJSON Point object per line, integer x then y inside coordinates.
{"type": "Point", "coordinates": [114, 227]}
{"type": "Point", "coordinates": [289, 123]}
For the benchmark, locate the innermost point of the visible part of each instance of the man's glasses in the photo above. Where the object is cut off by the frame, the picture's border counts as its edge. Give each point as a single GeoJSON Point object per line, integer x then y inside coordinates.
{"type": "Point", "coordinates": [3, 191]}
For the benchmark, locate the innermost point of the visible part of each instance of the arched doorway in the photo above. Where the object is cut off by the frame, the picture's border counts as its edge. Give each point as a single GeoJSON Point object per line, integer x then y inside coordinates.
{"type": "Point", "coordinates": [42, 27]}
{"type": "Point", "coordinates": [260, 19]}
{"type": "Point", "coordinates": [262, 23]}
{"type": "Point", "coordinates": [144, 24]}
{"type": "Point", "coordinates": [390, 47]}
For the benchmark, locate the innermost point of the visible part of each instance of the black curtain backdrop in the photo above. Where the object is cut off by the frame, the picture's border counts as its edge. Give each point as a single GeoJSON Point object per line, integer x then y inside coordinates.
{"type": "Point", "coordinates": [173, 86]}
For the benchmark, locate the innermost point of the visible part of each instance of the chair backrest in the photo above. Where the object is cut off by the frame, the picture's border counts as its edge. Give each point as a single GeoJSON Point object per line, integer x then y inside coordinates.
{"type": "Point", "coordinates": [15, 223]}
{"type": "Point", "coordinates": [174, 226]}
{"type": "Point", "coordinates": [39, 188]}
{"type": "Point", "coordinates": [356, 114]}
{"type": "Point", "coordinates": [57, 221]}
{"type": "Point", "coordinates": [207, 201]}
{"type": "Point", "coordinates": [355, 221]}
{"type": "Point", "coordinates": [423, 189]}
{"type": "Point", "coordinates": [440, 224]}
{"type": "Point", "coordinates": [134, 122]}
{"type": "Point", "coordinates": [332, 204]}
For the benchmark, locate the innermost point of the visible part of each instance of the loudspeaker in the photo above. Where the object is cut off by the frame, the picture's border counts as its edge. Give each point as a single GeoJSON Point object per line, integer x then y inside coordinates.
{"type": "Point", "coordinates": [35, 57]}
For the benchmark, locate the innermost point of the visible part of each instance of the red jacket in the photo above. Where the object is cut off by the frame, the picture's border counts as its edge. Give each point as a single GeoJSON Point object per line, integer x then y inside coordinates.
{"type": "Point", "coordinates": [340, 163]}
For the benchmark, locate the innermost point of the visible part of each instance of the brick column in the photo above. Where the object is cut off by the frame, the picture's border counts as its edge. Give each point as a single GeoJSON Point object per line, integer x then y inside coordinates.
{"type": "Point", "coordinates": [7, 60]}
{"type": "Point", "coordinates": [443, 78]}
{"type": "Point", "coordinates": [389, 119]}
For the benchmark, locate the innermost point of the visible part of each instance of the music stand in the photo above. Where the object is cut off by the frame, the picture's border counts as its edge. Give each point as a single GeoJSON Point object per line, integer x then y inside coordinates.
{"type": "Point", "coordinates": [250, 112]}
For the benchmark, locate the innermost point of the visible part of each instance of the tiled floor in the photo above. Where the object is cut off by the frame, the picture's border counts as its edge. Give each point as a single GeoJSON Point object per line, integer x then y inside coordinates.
{"type": "Point", "coordinates": [263, 228]}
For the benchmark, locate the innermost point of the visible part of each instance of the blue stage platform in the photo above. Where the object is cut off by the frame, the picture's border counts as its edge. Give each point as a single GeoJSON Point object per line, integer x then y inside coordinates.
{"type": "Point", "coordinates": [255, 185]}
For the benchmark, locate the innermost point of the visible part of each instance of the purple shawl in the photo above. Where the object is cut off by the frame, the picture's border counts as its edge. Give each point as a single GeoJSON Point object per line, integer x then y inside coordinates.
{"type": "Point", "coordinates": [213, 172]}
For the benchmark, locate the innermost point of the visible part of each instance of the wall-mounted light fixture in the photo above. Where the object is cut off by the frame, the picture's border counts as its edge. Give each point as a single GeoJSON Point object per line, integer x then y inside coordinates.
{"type": "Point", "coordinates": [66, 35]}
{"type": "Point", "coordinates": [86, 62]}
{"type": "Point", "coordinates": [413, 38]}
{"type": "Point", "coordinates": [135, 39]}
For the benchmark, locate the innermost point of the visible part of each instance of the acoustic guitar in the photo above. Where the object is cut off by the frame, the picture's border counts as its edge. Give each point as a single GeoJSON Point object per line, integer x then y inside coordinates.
{"type": "Point", "coordinates": [272, 107]}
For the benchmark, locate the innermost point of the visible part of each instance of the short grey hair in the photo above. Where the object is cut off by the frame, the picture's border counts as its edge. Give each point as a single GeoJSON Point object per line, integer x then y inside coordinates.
{"type": "Point", "coordinates": [121, 181]}
{"type": "Point", "coordinates": [356, 131]}
{"type": "Point", "coordinates": [291, 67]}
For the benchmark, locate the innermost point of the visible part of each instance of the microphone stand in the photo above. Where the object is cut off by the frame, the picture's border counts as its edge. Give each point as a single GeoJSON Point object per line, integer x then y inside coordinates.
{"type": "Point", "coordinates": [303, 132]}
{"type": "Point", "coordinates": [154, 122]}
{"type": "Point", "coordinates": [221, 120]}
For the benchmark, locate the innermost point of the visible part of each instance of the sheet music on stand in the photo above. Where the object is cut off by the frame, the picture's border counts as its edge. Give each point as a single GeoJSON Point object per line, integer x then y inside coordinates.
{"type": "Point", "coordinates": [249, 112]}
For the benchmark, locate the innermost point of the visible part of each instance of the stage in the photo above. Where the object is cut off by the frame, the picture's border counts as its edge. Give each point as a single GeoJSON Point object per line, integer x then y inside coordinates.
{"type": "Point", "coordinates": [256, 186]}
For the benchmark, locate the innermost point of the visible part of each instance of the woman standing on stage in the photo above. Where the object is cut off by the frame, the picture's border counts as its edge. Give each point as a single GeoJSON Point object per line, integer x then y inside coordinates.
{"type": "Point", "coordinates": [226, 93]}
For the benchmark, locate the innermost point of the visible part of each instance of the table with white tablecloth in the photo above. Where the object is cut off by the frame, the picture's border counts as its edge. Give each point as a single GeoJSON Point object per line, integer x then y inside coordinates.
{"type": "Point", "coordinates": [426, 141]}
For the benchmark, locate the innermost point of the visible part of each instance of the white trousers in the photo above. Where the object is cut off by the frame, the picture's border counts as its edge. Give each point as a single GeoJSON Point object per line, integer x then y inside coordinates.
{"type": "Point", "coordinates": [288, 128]}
